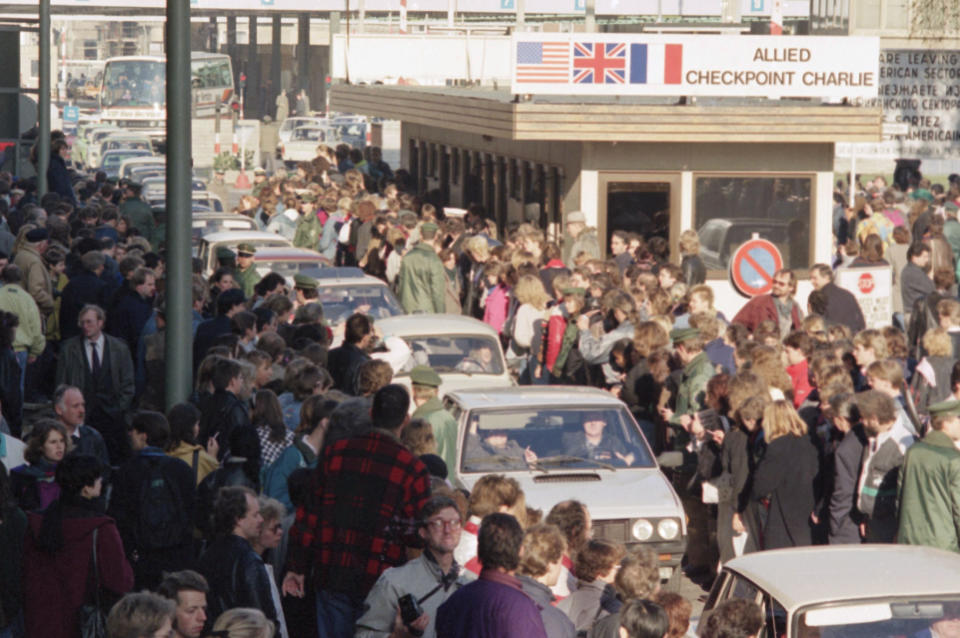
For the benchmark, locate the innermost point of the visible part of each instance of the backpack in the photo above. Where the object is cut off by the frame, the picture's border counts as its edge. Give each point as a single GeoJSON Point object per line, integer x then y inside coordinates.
{"type": "Point", "coordinates": [161, 521]}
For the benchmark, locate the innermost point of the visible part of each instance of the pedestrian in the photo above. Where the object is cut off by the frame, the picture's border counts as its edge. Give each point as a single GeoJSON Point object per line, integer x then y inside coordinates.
{"type": "Point", "coordinates": [244, 622]}
{"type": "Point", "coordinates": [734, 618]}
{"type": "Point", "coordinates": [247, 274]}
{"type": "Point", "coordinates": [637, 578]}
{"type": "Point", "coordinates": [929, 481]}
{"type": "Point", "coordinates": [778, 306]}
{"type": "Point", "coordinates": [841, 305]}
{"type": "Point", "coordinates": [367, 532]}
{"type": "Point", "coordinates": [33, 484]}
{"type": "Point", "coordinates": [594, 598]}
{"type": "Point", "coordinates": [344, 362]}
{"type": "Point", "coordinates": [494, 606]}
{"type": "Point", "coordinates": [184, 420]}
{"type": "Point", "coordinates": [430, 579]}
{"type": "Point", "coordinates": [425, 383]}
{"type": "Point", "coordinates": [643, 619]}
{"type": "Point", "coordinates": [914, 281]}
{"type": "Point", "coordinates": [226, 410]}
{"type": "Point", "coordinates": [539, 571]}
{"type": "Point", "coordinates": [141, 615]}
{"type": "Point", "coordinates": [844, 524]}
{"type": "Point", "coordinates": [421, 284]}
{"type": "Point", "coordinates": [694, 270]}
{"type": "Point", "coordinates": [154, 503]}
{"type": "Point", "coordinates": [188, 590]}
{"type": "Point", "coordinates": [58, 553]}
{"type": "Point", "coordinates": [234, 571]}
{"type": "Point", "coordinates": [308, 440]}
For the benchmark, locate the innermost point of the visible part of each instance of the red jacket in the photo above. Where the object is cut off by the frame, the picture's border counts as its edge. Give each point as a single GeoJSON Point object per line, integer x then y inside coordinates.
{"type": "Point", "coordinates": [800, 379]}
{"type": "Point", "coordinates": [761, 308]}
{"type": "Point", "coordinates": [56, 585]}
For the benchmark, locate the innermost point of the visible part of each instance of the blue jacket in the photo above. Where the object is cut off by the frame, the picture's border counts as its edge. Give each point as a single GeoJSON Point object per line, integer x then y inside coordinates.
{"type": "Point", "coordinates": [494, 606]}
{"type": "Point", "coordinates": [275, 477]}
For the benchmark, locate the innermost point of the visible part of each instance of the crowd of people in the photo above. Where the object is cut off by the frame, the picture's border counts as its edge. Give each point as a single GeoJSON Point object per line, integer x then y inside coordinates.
{"type": "Point", "coordinates": [292, 495]}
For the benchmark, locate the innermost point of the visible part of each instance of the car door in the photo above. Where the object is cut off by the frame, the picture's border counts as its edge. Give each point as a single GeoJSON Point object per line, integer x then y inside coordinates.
{"type": "Point", "coordinates": [729, 585]}
{"type": "Point", "coordinates": [774, 618]}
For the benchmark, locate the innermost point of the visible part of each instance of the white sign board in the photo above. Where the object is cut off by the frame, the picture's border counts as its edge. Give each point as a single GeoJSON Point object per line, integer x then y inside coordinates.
{"type": "Point", "coordinates": [921, 88]}
{"type": "Point", "coordinates": [872, 287]}
{"type": "Point", "coordinates": [719, 65]}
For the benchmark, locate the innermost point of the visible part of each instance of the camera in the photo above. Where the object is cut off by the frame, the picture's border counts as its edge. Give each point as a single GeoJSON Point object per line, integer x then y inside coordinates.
{"type": "Point", "coordinates": [410, 610]}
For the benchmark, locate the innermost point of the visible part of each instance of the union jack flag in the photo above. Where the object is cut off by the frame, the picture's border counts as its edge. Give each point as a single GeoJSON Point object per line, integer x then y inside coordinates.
{"type": "Point", "coordinates": [599, 63]}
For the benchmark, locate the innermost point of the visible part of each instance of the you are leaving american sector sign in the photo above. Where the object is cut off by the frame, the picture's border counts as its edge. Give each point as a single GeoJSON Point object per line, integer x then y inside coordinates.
{"type": "Point", "coordinates": [707, 65]}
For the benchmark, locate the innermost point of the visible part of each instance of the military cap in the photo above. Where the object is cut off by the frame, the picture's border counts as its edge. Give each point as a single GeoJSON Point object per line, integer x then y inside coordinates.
{"type": "Point", "coordinates": [259, 171]}
{"type": "Point", "coordinates": [430, 227]}
{"type": "Point", "coordinates": [679, 335]}
{"type": "Point", "coordinates": [945, 408]}
{"type": "Point", "coordinates": [425, 375]}
{"type": "Point", "coordinates": [246, 249]}
{"type": "Point", "coordinates": [576, 217]}
{"type": "Point", "coordinates": [573, 291]}
{"type": "Point", "coordinates": [308, 197]}
{"type": "Point", "coordinates": [303, 282]}
{"type": "Point", "coordinates": [951, 207]}
{"type": "Point", "coordinates": [37, 235]}
{"type": "Point", "coordinates": [923, 193]}
{"type": "Point", "coordinates": [225, 253]}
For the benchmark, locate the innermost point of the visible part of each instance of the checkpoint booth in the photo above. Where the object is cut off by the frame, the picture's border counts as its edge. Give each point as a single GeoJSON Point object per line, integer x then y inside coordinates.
{"type": "Point", "coordinates": [654, 134]}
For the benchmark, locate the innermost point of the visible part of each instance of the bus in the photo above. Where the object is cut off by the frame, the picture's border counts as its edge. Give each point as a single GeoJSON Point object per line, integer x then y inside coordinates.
{"type": "Point", "coordinates": [133, 90]}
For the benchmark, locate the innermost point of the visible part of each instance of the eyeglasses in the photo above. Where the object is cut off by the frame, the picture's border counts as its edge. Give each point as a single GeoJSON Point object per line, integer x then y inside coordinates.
{"type": "Point", "coordinates": [438, 524]}
{"type": "Point", "coordinates": [780, 283]}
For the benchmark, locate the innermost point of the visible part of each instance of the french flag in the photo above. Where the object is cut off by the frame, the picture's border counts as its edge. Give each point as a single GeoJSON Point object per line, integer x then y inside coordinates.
{"type": "Point", "coordinates": [656, 63]}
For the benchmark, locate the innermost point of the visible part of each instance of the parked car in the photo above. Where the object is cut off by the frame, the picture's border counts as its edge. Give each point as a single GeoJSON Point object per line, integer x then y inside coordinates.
{"type": "Point", "coordinates": [719, 238]}
{"type": "Point", "coordinates": [147, 161]}
{"type": "Point", "coordinates": [288, 125]}
{"type": "Point", "coordinates": [465, 352]}
{"type": "Point", "coordinates": [344, 291]}
{"type": "Point", "coordinates": [537, 435]}
{"type": "Point", "coordinates": [207, 250]}
{"type": "Point", "coordinates": [302, 145]}
{"type": "Point", "coordinates": [111, 160]}
{"type": "Point", "coordinates": [91, 149]}
{"type": "Point", "coordinates": [287, 261]}
{"type": "Point", "coordinates": [83, 142]}
{"type": "Point", "coordinates": [849, 591]}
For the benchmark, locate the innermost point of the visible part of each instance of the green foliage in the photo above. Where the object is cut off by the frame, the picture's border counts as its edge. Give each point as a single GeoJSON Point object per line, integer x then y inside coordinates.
{"type": "Point", "coordinates": [227, 161]}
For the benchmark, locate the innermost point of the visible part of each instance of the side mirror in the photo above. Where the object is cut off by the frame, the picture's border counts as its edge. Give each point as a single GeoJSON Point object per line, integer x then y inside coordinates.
{"type": "Point", "coordinates": [670, 459]}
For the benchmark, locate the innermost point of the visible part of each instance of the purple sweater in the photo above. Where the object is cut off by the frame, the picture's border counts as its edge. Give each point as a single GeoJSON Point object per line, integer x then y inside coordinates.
{"type": "Point", "coordinates": [493, 606]}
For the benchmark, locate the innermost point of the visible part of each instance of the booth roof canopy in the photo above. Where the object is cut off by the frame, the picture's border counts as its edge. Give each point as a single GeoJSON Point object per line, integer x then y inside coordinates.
{"type": "Point", "coordinates": [495, 113]}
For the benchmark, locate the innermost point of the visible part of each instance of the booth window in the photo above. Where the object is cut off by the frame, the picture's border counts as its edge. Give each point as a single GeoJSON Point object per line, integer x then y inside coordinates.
{"type": "Point", "coordinates": [729, 210]}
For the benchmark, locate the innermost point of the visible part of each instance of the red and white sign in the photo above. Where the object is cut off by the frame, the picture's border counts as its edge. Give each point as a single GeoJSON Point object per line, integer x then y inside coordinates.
{"type": "Point", "coordinates": [872, 287]}
{"type": "Point", "coordinates": [753, 265]}
{"type": "Point", "coordinates": [866, 283]}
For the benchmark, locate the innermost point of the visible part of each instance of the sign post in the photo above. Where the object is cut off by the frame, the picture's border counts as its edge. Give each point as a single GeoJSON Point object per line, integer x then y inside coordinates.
{"type": "Point", "coordinates": [753, 266]}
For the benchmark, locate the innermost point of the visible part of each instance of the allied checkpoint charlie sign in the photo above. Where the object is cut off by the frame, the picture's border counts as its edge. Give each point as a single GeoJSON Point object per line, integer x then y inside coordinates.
{"type": "Point", "coordinates": [700, 65]}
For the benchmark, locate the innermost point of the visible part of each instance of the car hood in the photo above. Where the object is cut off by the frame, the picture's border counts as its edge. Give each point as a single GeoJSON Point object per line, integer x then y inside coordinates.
{"type": "Point", "coordinates": [651, 492]}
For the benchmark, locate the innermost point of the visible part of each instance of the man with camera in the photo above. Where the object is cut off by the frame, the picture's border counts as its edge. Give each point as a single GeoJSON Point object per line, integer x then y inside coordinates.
{"type": "Point", "coordinates": [405, 599]}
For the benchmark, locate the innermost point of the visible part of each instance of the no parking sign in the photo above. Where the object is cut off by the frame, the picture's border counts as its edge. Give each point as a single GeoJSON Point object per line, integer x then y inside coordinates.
{"type": "Point", "coordinates": [753, 265]}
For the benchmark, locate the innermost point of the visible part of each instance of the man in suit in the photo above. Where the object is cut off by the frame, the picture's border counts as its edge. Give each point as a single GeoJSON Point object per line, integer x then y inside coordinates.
{"type": "Point", "coordinates": [101, 366]}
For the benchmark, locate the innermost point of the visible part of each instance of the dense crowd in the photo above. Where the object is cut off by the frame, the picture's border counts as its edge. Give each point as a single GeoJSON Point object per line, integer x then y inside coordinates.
{"type": "Point", "coordinates": [292, 495]}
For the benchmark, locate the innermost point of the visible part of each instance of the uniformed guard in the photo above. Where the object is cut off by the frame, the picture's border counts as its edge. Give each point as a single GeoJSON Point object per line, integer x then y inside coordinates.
{"type": "Point", "coordinates": [247, 275]}
{"type": "Point", "coordinates": [426, 395]}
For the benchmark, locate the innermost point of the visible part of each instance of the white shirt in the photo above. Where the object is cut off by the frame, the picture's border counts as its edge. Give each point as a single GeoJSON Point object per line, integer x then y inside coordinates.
{"type": "Point", "coordinates": [98, 344]}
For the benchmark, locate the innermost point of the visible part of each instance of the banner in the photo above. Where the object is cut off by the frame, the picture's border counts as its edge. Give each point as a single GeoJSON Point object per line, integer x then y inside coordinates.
{"type": "Point", "coordinates": [696, 65]}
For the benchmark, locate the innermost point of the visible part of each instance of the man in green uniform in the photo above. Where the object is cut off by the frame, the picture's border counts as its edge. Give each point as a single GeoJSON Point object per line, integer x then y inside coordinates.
{"type": "Point", "coordinates": [305, 289]}
{"type": "Point", "coordinates": [422, 281]}
{"type": "Point", "coordinates": [929, 489]}
{"type": "Point", "coordinates": [309, 227]}
{"type": "Point", "coordinates": [697, 371]}
{"type": "Point", "coordinates": [426, 390]}
{"type": "Point", "coordinates": [247, 275]}
{"type": "Point", "coordinates": [139, 212]}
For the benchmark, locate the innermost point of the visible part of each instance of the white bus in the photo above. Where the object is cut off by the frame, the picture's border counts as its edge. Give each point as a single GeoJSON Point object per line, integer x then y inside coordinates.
{"type": "Point", "coordinates": [133, 92]}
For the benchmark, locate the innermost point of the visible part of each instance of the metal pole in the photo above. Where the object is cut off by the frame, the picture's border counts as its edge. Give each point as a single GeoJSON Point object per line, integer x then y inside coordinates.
{"type": "Point", "coordinates": [43, 100]}
{"type": "Point", "coordinates": [521, 14]}
{"type": "Point", "coordinates": [179, 337]}
{"type": "Point", "coordinates": [590, 19]}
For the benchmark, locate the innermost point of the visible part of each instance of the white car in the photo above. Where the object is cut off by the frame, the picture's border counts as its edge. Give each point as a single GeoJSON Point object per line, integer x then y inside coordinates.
{"type": "Point", "coordinates": [303, 143]}
{"type": "Point", "coordinates": [848, 591]}
{"type": "Point", "coordinates": [91, 156]}
{"type": "Point", "coordinates": [538, 436]}
{"type": "Point", "coordinates": [291, 123]}
{"type": "Point", "coordinates": [465, 352]}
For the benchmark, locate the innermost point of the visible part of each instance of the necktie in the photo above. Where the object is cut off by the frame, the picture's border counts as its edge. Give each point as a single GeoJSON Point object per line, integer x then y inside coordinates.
{"type": "Point", "coordinates": [95, 359]}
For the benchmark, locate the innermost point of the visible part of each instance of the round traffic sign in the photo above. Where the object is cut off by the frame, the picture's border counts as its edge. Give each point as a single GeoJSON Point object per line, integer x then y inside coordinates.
{"type": "Point", "coordinates": [865, 283]}
{"type": "Point", "coordinates": [753, 265]}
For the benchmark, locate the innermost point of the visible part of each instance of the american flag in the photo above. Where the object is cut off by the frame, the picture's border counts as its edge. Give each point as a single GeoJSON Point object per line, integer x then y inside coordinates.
{"type": "Point", "coordinates": [599, 63]}
{"type": "Point", "coordinates": [544, 62]}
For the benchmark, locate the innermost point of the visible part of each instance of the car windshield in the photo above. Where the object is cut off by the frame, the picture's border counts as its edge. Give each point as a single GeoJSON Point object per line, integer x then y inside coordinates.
{"type": "Point", "coordinates": [882, 619]}
{"type": "Point", "coordinates": [127, 144]}
{"type": "Point", "coordinates": [339, 302]}
{"type": "Point", "coordinates": [548, 439]}
{"type": "Point", "coordinates": [467, 354]}
{"type": "Point", "coordinates": [285, 268]}
{"type": "Point", "coordinates": [308, 135]}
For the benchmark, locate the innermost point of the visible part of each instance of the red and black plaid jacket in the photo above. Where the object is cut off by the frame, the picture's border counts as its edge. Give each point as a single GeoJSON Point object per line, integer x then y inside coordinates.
{"type": "Point", "coordinates": [362, 513]}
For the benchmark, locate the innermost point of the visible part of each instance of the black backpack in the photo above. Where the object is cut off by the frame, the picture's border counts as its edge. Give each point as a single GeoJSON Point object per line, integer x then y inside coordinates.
{"type": "Point", "coordinates": [161, 522]}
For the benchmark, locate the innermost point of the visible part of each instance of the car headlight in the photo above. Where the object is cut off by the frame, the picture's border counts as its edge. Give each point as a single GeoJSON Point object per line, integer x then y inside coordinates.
{"type": "Point", "coordinates": [642, 529]}
{"type": "Point", "coordinates": [668, 528]}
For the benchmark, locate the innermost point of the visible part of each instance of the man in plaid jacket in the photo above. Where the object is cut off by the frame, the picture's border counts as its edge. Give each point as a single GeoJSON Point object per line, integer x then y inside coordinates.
{"type": "Point", "coordinates": [361, 515]}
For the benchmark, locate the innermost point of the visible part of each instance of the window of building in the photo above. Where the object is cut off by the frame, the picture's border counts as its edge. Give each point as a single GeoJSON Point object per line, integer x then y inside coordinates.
{"type": "Point", "coordinates": [728, 210]}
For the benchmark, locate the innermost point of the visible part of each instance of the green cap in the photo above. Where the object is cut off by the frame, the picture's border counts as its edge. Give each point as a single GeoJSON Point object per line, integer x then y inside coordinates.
{"type": "Point", "coordinates": [308, 197]}
{"type": "Point", "coordinates": [945, 408]}
{"type": "Point", "coordinates": [430, 227]}
{"type": "Point", "coordinates": [425, 375]}
{"type": "Point", "coordinates": [573, 291]}
{"type": "Point", "coordinates": [679, 335]}
{"type": "Point", "coordinates": [225, 253]}
{"type": "Point", "coordinates": [951, 207]}
{"type": "Point", "coordinates": [304, 282]}
{"type": "Point", "coordinates": [923, 193]}
{"type": "Point", "coordinates": [246, 249]}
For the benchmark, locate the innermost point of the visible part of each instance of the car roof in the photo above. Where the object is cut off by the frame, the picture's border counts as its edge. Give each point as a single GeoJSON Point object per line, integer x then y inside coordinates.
{"type": "Point", "coordinates": [802, 576]}
{"type": "Point", "coordinates": [427, 324]}
{"type": "Point", "coordinates": [240, 235]}
{"type": "Point", "coordinates": [525, 396]}
{"type": "Point", "coordinates": [287, 253]}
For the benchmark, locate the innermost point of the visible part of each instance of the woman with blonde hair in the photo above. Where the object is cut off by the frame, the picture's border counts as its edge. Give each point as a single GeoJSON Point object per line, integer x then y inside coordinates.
{"type": "Point", "coordinates": [532, 300]}
{"type": "Point", "coordinates": [787, 477]}
{"type": "Point", "coordinates": [694, 270]}
{"type": "Point", "coordinates": [243, 622]}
